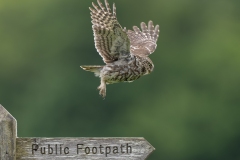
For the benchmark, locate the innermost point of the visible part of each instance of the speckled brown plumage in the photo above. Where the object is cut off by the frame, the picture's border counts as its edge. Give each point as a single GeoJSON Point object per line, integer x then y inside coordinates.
{"type": "Point", "coordinates": [124, 52]}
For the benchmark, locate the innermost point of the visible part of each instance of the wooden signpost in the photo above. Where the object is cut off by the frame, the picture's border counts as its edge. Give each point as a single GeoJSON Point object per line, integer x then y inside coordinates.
{"type": "Point", "coordinates": [15, 148]}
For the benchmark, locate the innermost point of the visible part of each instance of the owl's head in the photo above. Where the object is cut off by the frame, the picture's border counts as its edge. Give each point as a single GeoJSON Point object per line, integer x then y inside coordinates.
{"type": "Point", "coordinates": [148, 65]}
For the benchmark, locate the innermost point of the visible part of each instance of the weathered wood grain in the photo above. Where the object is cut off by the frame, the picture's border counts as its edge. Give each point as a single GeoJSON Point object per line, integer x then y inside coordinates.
{"type": "Point", "coordinates": [8, 134]}
{"type": "Point", "coordinates": [83, 148]}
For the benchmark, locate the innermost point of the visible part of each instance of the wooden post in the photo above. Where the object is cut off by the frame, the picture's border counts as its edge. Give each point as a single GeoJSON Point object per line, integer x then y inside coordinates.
{"type": "Point", "coordinates": [8, 134]}
{"type": "Point", "coordinates": [13, 148]}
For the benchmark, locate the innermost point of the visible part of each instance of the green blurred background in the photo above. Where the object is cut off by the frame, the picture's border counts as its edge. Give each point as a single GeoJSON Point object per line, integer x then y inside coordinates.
{"type": "Point", "coordinates": [188, 108]}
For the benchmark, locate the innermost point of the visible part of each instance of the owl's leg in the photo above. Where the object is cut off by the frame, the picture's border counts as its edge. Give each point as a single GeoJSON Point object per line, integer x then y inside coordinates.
{"type": "Point", "coordinates": [102, 88]}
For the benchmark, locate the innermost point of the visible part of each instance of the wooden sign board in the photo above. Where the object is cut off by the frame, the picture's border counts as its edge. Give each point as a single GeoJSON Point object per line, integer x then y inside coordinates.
{"type": "Point", "coordinates": [12, 147]}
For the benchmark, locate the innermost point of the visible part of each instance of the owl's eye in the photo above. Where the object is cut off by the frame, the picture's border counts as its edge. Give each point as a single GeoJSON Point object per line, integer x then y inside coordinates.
{"type": "Point", "coordinates": [150, 65]}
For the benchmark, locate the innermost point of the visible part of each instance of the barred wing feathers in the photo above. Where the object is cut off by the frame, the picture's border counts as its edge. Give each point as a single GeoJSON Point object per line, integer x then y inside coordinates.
{"type": "Point", "coordinates": [111, 40]}
{"type": "Point", "coordinates": [143, 42]}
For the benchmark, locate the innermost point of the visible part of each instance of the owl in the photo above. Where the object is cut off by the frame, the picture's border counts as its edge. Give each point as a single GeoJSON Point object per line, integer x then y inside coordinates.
{"type": "Point", "coordinates": [125, 52]}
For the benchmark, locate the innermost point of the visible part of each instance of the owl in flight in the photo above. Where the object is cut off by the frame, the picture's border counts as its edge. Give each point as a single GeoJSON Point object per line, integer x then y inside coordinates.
{"type": "Point", "coordinates": [124, 52]}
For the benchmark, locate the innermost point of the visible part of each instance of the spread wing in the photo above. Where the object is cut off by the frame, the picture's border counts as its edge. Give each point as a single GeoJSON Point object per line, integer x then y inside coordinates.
{"type": "Point", "coordinates": [143, 42]}
{"type": "Point", "coordinates": [111, 40]}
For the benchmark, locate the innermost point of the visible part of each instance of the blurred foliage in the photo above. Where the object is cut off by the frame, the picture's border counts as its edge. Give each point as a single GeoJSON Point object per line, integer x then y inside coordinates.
{"type": "Point", "coordinates": [188, 108]}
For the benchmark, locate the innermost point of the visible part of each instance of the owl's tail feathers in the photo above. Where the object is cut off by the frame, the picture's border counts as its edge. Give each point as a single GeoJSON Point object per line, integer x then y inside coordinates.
{"type": "Point", "coordinates": [95, 69]}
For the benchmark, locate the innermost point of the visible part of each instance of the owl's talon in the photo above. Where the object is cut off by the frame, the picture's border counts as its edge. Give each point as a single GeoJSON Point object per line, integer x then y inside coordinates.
{"type": "Point", "coordinates": [102, 92]}
{"type": "Point", "coordinates": [102, 89]}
